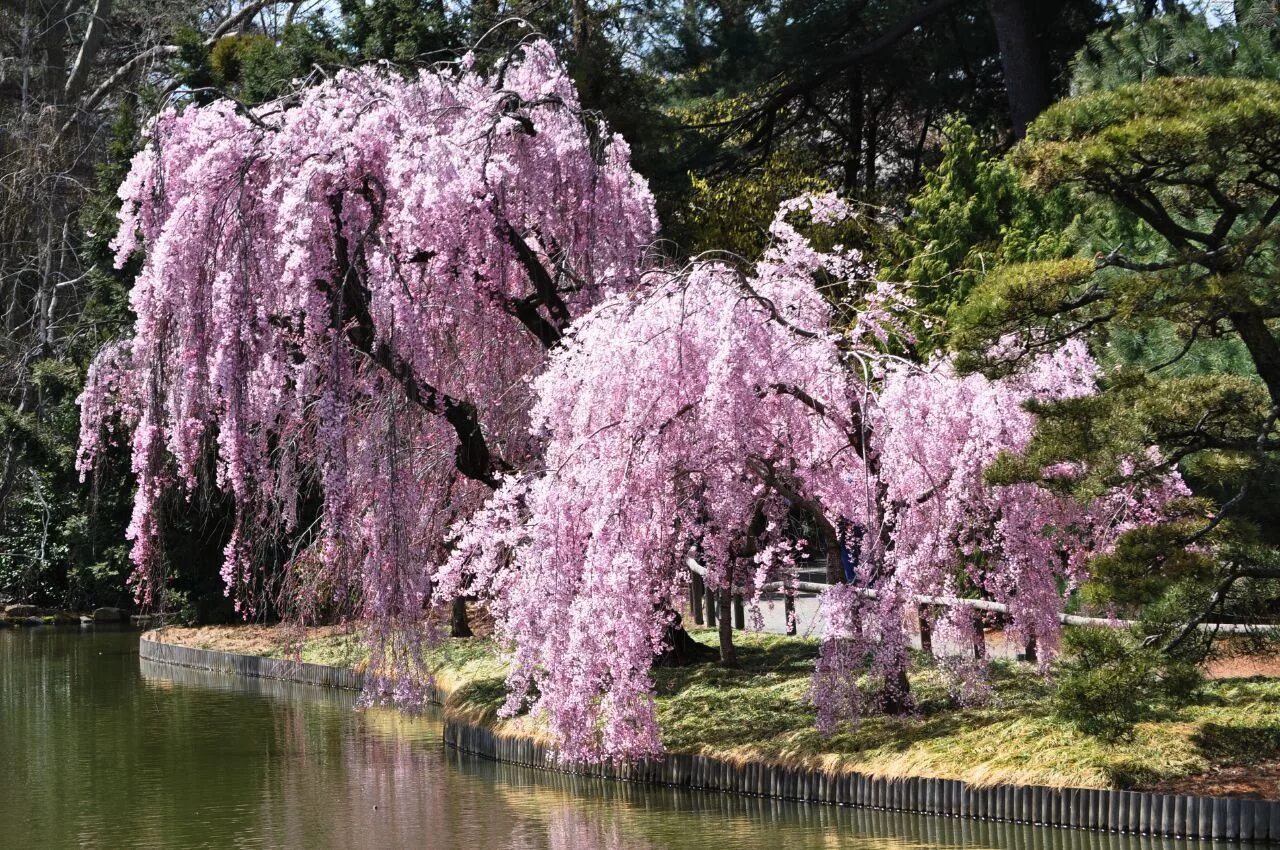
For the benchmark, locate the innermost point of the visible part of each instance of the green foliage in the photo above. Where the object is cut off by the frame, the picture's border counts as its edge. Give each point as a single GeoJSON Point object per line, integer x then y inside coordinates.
{"type": "Point", "coordinates": [1136, 48]}
{"type": "Point", "coordinates": [733, 213]}
{"type": "Point", "coordinates": [255, 68]}
{"type": "Point", "coordinates": [252, 67]}
{"type": "Point", "coordinates": [403, 31]}
{"type": "Point", "coordinates": [972, 216]}
{"type": "Point", "coordinates": [1184, 130]}
{"type": "Point", "coordinates": [1150, 565]}
{"type": "Point", "coordinates": [1111, 681]}
{"type": "Point", "coordinates": [1108, 432]}
{"type": "Point", "coordinates": [998, 306]}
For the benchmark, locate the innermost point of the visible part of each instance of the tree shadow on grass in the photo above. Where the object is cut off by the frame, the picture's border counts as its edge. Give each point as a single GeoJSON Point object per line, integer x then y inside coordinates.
{"type": "Point", "coordinates": [1234, 745]}
{"type": "Point", "coordinates": [761, 705]}
{"type": "Point", "coordinates": [480, 699]}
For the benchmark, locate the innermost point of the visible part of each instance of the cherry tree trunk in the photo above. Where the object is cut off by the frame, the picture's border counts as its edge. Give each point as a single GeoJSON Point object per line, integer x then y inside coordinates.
{"type": "Point", "coordinates": [459, 626]}
{"type": "Point", "coordinates": [926, 631]}
{"type": "Point", "coordinates": [681, 649]}
{"type": "Point", "coordinates": [728, 654]}
{"type": "Point", "coordinates": [897, 693]}
{"type": "Point", "coordinates": [980, 638]}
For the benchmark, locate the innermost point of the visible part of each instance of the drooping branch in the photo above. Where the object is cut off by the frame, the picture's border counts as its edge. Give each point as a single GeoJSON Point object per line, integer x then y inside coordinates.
{"type": "Point", "coordinates": [352, 315]}
{"type": "Point", "coordinates": [544, 294]}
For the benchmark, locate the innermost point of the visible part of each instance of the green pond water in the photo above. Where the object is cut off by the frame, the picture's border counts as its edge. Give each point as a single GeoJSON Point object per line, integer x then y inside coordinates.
{"type": "Point", "coordinates": [98, 750]}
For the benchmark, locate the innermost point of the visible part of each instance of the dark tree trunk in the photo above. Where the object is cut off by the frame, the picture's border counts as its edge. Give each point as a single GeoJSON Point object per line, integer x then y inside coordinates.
{"type": "Point", "coordinates": [709, 599]}
{"type": "Point", "coordinates": [697, 589]}
{"type": "Point", "coordinates": [789, 611]}
{"type": "Point", "coordinates": [580, 27]}
{"type": "Point", "coordinates": [980, 638]}
{"type": "Point", "coordinates": [871, 152]}
{"type": "Point", "coordinates": [1032, 651]}
{"type": "Point", "coordinates": [926, 630]}
{"type": "Point", "coordinates": [739, 613]}
{"type": "Point", "coordinates": [459, 627]}
{"type": "Point", "coordinates": [1026, 76]}
{"type": "Point", "coordinates": [728, 654]}
{"type": "Point", "coordinates": [853, 130]}
{"type": "Point", "coordinates": [897, 694]}
{"type": "Point", "coordinates": [681, 649]}
{"type": "Point", "coordinates": [835, 567]}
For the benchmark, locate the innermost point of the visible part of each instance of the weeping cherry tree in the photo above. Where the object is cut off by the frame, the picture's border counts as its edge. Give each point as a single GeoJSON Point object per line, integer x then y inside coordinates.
{"type": "Point", "coordinates": [342, 298]}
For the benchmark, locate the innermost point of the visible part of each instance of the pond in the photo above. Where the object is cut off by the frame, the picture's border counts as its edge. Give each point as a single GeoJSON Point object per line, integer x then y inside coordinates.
{"type": "Point", "coordinates": [100, 751]}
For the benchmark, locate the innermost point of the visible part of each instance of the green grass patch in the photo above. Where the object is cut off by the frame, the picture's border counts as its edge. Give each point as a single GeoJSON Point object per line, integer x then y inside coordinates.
{"type": "Point", "coordinates": [344, 650]}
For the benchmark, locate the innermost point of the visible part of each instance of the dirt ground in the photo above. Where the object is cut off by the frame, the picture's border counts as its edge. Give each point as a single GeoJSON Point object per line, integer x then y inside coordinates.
{"type": "Point", "coordinates": [245, 639]}
{"type": "Point", "coordinates": [1241, 667]}
{"type": "Point", "coordinates": [1260, 781]}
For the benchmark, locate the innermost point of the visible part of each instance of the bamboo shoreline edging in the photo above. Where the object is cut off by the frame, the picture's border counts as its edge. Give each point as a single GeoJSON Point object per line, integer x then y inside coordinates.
{"type": "Point", "coordinates": [1232, 819]}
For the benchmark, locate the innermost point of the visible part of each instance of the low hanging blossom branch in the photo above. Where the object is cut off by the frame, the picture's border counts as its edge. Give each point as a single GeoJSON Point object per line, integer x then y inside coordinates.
{"type": "Point", "coordinates": [341, 302]}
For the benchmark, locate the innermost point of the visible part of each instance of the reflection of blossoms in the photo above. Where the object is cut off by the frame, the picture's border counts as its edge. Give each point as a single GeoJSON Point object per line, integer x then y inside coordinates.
{"type": "Point", "coordinates": [570, 827]}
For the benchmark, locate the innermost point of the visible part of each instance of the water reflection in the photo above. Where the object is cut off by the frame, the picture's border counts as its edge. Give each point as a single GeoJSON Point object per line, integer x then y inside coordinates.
{"type": "Point", "coordinates": [101, 751]}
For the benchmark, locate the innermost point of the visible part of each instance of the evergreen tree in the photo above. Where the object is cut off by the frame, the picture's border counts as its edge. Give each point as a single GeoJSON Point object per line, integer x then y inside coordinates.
{"type": "Point", "coordinates": [1189, 170]}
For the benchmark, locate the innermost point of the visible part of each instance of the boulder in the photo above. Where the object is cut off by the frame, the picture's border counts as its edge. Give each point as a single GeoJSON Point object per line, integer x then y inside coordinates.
{"type": "Point", "coordinates": [109, 615]}
{"type": "Point", "coordinates": [32, 621]}
{"type": "Point", "coordinates": [21, 612]}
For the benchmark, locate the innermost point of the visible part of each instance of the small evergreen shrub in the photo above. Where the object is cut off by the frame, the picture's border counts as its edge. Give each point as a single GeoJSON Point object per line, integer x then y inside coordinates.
{"type": "Point", "coordinates": [1109, 682]}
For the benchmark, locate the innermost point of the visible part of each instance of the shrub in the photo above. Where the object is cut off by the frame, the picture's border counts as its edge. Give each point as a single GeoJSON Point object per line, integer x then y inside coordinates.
{"type": "Point", "coordinates": [1109, 682]}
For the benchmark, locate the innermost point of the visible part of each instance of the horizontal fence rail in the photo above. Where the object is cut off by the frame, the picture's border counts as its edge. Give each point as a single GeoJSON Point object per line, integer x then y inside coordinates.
{"type": "Point", "coordinates": [989, 605]}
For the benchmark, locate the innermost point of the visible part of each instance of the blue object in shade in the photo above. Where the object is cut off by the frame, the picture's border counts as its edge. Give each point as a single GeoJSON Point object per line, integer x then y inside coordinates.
{"type": "Point", "coordinates": [849, 554]}
{"type": "Point", "coordinates": [847, 561]}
